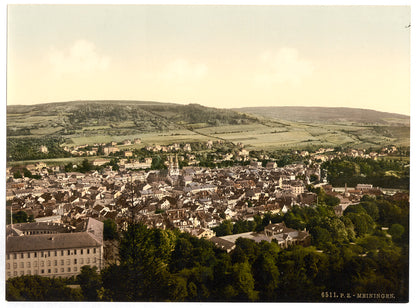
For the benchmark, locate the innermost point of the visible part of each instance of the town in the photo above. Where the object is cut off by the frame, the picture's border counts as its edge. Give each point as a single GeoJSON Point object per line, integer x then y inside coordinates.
{"type": "Point", "coordinates": [193, 199]}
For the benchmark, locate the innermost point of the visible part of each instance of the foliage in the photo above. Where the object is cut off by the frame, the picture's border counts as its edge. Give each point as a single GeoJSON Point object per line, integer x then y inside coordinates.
{"type": "Point", "coordinates": [21, 217]}
{"type": "Point", "coordinates": [28, 148]}
{"type": "Point", "coordinates": [36, 288]}
{"type": "Point", "coordinates": [350, 253]}
{"type": "Point", "coordinates": [90, 282]}
{"type": "Point", "coordinates": [110, 230]}
{"type": "Point", "coordinates": [354, 171]}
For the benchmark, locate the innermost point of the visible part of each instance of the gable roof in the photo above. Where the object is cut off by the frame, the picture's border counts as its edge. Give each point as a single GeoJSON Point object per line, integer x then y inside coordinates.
{"type": "Point", "coordinates": [50, 242]}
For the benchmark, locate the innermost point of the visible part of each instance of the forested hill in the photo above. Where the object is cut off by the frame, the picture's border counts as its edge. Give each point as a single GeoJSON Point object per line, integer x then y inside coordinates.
{"type": "Point", "coordinates": [328, 114]}
{"type": "Point", "coordinates": [138, 115]}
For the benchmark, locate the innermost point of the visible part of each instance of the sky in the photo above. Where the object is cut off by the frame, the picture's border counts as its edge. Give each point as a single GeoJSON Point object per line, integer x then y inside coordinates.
{"type": "Point", "coordinates": [225, 56]}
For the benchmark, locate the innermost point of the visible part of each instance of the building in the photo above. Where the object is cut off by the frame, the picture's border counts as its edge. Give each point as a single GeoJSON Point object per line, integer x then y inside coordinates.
{"type": "Point", "coordinates": [364, 187]}
{"type": "Point", "coordinates": [53, 250]}
{"type": "Point", "coordinates": [173, 166]}
{"type": "Point", "coordinates": [100, 161]}
{"type": "Point", "coordinates": [110, 150]}
{"type": "Point", "coordinates": [128, 154]}
{"type": "Point", "coordinates": [284, 236]}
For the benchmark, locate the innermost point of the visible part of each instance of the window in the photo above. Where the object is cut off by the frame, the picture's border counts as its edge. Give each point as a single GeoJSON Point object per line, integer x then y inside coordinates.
{"type": "Point", "coordinates": [36, 254]}
{"type": "Point", "coordinates": [35, 263]}
{"type": "Point", "coordinates": [42, 271]}
{"type": "Point", "coordinates": [56, 253]}
{"type": "Point", "coordinates": [14, 273]}
{"type": "Point", "coordinates": [68, 262]}
{"type": "Point", "coordinates": [8, 266]}
{"type": "Point", "coordinates": [29, 272]}
{"type": "Point", "coordinates": [69, 252]}
{"type": "Point", "coordinates": [49, 262]}
{"type": "Point", "coordinates": [41, 254]}
{"type": "Point", "coordinates": [62, 262]}
{"type": "Point", "coordinates": [95, 260]}
{"type": "Point", "coordinates": [95, 250]}
{"type": "Point", "coordinates": [69, 269]}
{"type": "Point", "coordinates": [75, 261]}
{"type": "Point", "coordinates": [42, 263]}
{"type": "Point", "coordinates": [55, 270]}
{"type": "Point", "coordinates": [62, 269]}
{"type": "Point", "coordinates": [28, 264]}
{"type": "Point", "coordinates": [22, 264]}
{"type": "Point", "coordinates": [49, 253]}
{"type": "Point", "coordinates": [75, 269]}
{"type": "Point", "coordinates": [75, 251]}
{"type": "Point", "coordinates": [49, 271]}
{"type": "Point", "coordinates": [88, 250]}
{"type": "Point", "coordinates": [81, 261]}
{"type": "Point", "coordinates": [28, 254]}
{"type": "Point", "coordinates": [21, 255]}
{"type": "Point", "coordinates": [88, 260]}
{"type": "Point", "coordinates": [36, 272]}
{"type": "Point", "coordinates": [22, 273]}
{"type": "Point", "coordinates": [14, 256]}
{"type": "Point", "coordinates": [62, 252]}
{"type": "Point", "coordinates": [56, 262]}
{"type": "Point", "coordinates": [82, 251]}
{"type": "Point", "coordinates": [14, 265]}
{"type": "Point", "coordinates": [9, 274]}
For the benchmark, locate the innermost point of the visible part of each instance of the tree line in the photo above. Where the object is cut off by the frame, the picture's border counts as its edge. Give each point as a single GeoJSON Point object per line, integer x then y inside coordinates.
{"type": "Point", "coordinates": [381, 173]}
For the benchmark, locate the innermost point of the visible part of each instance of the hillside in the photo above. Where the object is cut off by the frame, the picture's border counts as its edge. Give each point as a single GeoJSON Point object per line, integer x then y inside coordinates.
{"type": "Point", "coordinates": [328, 115]}
{"type": "Point", "coordinates": [114, 118]}
{"type": "Point", "coordinates": [272, 128]}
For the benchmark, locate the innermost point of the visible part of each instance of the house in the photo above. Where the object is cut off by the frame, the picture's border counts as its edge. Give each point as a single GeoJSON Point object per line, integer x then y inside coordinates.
{"type": "Point", "coordinates": [271, 165]}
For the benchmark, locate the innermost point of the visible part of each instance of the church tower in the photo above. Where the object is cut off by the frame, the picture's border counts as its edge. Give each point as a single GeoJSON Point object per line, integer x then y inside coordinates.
{"type": "Point", "coordinates": [173, 166]}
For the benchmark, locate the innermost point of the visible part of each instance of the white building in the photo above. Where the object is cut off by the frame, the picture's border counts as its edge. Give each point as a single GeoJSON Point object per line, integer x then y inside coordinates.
{"type": "Point", "coordinates": [49, 250]}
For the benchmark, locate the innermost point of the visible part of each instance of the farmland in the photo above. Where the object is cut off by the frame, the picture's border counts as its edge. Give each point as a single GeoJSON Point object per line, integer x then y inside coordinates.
{"type": "Point", "coordinates": [89, 122]}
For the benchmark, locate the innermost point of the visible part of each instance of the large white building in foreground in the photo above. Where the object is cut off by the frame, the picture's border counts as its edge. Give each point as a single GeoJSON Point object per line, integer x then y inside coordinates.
{"type": "Point", "coordinates": [53, 250]}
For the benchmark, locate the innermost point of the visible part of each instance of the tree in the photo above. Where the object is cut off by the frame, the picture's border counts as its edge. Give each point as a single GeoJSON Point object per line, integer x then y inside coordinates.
{"type": "Point", "coordinates": [225, 228]}
{"type": "Point", "coordinates": [371, 208]}
{"type": "Point", "coordinates": [243, 282]}
{"type": "Point", "coordinates": [85, 166]}
{"type": "Point", "coordinates": [144, 255]}
{"type": "Point", "coordinates": [20, 216]}
{"type": "Point", "coordinates": [90, 282]}
{"type": "Point", "coordinates": [110, 230]}
{"type": "Point", "coordinates": [37, 288]}
{"type": "Point", "coordinates": [363, 223]}
{"type": "Point", "coordinates": [266, 276]}
{"type": "Point", "coordinates": [17, 174]}
{"type": "Point", "coordinates": [396, 231]}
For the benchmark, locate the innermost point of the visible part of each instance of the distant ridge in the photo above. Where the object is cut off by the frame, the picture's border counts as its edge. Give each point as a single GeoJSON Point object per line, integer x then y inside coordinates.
{"type": "Point", "coordinates": [328, 114]}
{"type": "Point", "coordinates": [90, 122]}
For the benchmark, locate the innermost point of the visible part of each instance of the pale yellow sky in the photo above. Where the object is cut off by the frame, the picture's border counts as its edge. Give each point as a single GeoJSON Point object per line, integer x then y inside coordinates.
{"type": "Point", "coordinates": [220, 56]}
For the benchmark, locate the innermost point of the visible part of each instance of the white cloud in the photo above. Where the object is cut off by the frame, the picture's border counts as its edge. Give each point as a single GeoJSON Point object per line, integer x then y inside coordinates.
{"type": "Point", "coordinates": [283, 67]}
{"type": "Point", "coordinates": [80, 57]}
{"type": "Point", "coordinates": [181, 70]}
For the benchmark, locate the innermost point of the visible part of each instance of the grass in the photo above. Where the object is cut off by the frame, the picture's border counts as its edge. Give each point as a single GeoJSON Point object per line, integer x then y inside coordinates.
{"type": "Point", "coordinates": [268, 134]}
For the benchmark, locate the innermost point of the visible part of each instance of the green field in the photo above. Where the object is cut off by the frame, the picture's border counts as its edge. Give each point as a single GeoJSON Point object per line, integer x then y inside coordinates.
{"type": "Point", "coordinates": [78, 123]}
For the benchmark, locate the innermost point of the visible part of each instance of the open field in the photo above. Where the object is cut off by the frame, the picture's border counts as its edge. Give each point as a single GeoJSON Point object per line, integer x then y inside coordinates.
{"type": "Point", "coordinates": [78, 123]}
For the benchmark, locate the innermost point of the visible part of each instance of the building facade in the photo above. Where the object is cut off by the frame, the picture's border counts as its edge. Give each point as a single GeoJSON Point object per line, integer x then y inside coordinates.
{"type": "Point", "coordinates": [48, 253]}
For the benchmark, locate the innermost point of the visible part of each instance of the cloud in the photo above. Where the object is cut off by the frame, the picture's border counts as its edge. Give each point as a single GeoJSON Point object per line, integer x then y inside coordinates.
{"type": "Point", "coordinates": [181, 71]}
{"type": "Point", "coordinates": [283, 67]}
{"type": "Point", "coordinates": [80, 57]}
